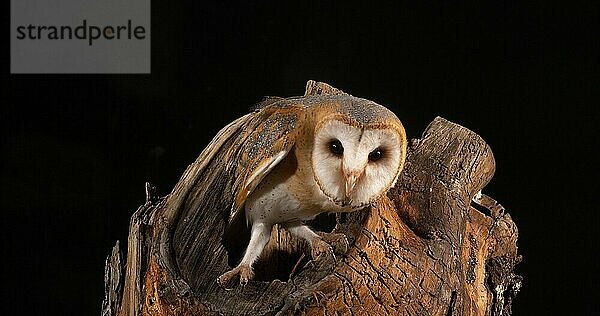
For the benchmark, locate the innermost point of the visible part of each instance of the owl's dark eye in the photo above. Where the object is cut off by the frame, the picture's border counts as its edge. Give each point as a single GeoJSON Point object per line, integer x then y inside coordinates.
{"type": "Point", "coordinates": [335, 146]}
{"type": "Point", "coordinates": [376, 154]}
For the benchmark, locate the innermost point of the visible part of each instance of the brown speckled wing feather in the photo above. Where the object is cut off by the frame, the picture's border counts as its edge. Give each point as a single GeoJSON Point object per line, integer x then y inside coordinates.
{"type": "Point", "coordinates": [236, 154]}
{"type": "Point", "coordinates": [267, 139]}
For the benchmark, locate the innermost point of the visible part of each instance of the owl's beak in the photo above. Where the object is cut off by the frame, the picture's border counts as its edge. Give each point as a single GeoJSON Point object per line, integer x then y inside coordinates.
{"type": "Point", "coordinates": [351, 179]}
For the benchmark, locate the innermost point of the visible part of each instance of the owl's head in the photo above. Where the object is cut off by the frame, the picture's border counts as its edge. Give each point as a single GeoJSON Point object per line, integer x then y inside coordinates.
{"type": "Point", "coordinates": [359, 152]}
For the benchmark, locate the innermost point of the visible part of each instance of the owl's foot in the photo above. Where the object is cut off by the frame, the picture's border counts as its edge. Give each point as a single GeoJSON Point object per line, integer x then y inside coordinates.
{"type": "Point", "coordinates": [329, 243]}
{"type": "Point", "coordinates": [319, 247]}
{"type": "Point", "coordinates": [244, 271]}
{"type": "Point", "coordinates": [337, 241]}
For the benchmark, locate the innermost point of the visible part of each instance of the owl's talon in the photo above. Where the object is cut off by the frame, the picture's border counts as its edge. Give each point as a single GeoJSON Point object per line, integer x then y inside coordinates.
{"type": "Point", "coordinates": [320, 247]}
{"type": "Point", "coordinates": [244, 272]}
{"type": "Point", "coordinates": [337, 241]}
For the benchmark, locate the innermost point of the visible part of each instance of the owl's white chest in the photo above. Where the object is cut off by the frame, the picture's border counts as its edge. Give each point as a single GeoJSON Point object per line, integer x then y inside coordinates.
{"type": "Point", "coordinates": [285, 195]}
{"type": "Point", "coordinates": [273, 203]}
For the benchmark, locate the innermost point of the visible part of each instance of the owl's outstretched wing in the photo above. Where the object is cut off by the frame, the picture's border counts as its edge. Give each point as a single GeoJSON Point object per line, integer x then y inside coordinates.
{"type": "Point", "coordinates": [226, 172]}
{"type": "Point", "coordinates": [233, 164]}
{"type": "Point", "coordinates": [265, 141]}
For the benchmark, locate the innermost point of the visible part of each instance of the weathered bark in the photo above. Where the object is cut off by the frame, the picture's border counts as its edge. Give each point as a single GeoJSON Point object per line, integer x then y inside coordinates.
{"type": "Point", "coordinates": [433, 246]}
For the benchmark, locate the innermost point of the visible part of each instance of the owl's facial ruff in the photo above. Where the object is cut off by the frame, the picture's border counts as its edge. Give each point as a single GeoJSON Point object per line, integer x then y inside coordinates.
{"type": "Point", "coordinates": [354, 164]}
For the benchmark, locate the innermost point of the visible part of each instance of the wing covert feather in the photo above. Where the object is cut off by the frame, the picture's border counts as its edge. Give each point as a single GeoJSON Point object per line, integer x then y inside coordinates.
{"type": "Point", "coordinates": [238, 158]}
{"type": "Point", "coordinates": [268, 139]}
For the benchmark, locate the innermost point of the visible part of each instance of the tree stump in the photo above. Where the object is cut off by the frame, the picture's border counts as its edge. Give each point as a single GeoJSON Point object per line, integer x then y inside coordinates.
{"type": "Point", "coordinates": [433, 246]}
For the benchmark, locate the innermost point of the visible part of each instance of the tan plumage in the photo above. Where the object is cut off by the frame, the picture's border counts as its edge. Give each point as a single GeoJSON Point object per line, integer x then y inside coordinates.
{"type": "Point", "coordinates": [294, 158]}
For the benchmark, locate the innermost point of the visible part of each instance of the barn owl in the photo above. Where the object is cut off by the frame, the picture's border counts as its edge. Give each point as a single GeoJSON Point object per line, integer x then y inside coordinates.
{"type": "Point", "coordinates": [298, 157]}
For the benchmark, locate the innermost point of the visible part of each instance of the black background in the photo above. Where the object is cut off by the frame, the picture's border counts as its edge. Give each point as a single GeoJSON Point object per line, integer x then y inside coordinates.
{"type": "Point", "coordinates": [77, 149]}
